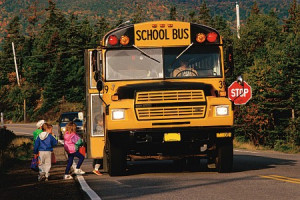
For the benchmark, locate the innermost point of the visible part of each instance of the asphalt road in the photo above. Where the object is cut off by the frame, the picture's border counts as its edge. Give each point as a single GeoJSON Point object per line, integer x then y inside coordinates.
{"type": "Point", "coordinates": [26, 129]}
{"type": "Point", "coordinates": [256, 175]}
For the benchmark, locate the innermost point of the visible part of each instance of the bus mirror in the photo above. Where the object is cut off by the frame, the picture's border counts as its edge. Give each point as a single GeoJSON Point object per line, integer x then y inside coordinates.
{"type": "Point", "coordinates": [240, 80]}
{"type": "Point", "coordinates": [99, 85]}
{"type": "Point", "coordinates": [97, 76]}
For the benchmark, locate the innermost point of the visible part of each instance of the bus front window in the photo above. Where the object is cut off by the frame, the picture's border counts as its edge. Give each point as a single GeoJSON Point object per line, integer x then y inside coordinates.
{"type": "Point", "coordinates": [131, 64]}
{"type": "Point", "coordinates": [196, 62]}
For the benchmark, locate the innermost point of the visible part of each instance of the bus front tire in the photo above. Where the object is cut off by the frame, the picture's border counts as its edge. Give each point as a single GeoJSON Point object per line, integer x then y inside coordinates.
{"type": "Point", "coordinates": [224, 159]}
{"type": "Point", "coordinates": [116, 158]}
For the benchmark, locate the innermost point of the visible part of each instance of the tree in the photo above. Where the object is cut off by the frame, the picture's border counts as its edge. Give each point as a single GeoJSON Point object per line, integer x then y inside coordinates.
{"type": "Point", "coordinates": [204, 15]}
{"type": "Point", "coordinates": [173, 13]}
{"type": "Point", "coordinates": [259, 52]}
{"type": "Point", "coordinates": [138, 15]}
{"type": "Point", "coordinates": [100, 28]}
{"type": "Point", "coordinates": [192, 17]}
{"type": "Point", "coordinates": [9, 89]}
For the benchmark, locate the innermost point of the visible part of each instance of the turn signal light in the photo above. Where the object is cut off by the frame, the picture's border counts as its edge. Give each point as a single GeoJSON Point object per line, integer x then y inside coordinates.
{"type": "Point", "coordinates": [124, 40]}
{"type": "Point", "coordinates": [112, 40]}
{"type": "Point", "coordinates": [212, 37]}
{"type": "Point", "coordinates": [200, 37]}
{"type": "Point", "coordinates": [222, 93]}
{"type": "Point", "coordinates": [115, 97]}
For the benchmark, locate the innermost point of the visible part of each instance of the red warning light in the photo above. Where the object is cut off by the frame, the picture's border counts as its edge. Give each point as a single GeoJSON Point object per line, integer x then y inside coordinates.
{"type": "Point", "coordinates": [211, 37]}
{"type": "Point", "coordinates": [113, 40]}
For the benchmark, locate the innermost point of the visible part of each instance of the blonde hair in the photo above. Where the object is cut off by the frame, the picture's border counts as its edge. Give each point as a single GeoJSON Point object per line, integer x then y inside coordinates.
{"type": "Point", "coordinates": [71, 127]}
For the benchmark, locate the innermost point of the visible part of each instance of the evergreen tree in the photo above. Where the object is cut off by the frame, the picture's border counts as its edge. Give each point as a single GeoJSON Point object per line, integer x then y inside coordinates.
{"type": "Point", "coordinates": [204, 15]}
{"type": "Point", "coordinates": [101, 28]}
{"type": "Point", "coordinates": [173, 13]}
{"type": "Point", "coordinates": [290, 68]}
{"type": "Point", "coordinates": [192, 17]}
{"type": "Point", "coordinates": [260, 53]}
{"type": "Point", "coordinates": [11, 94]}
{"type": "Point", "coordinates": [138, 15]}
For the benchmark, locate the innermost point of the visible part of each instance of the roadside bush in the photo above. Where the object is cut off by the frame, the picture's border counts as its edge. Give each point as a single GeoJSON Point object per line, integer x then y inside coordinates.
{"type": "Point", "coordinates": [21, 148]}
{"type": "Point", "coordinates": [13, 148]}
{"type": "Point", "coordinates": [283, 146]}
{"type": "Point", "coordinates": [6, 137]}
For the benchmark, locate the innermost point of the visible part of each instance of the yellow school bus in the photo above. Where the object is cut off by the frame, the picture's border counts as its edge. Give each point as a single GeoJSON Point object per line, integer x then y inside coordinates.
{"type": "Point", "coordinates": [156, 90]}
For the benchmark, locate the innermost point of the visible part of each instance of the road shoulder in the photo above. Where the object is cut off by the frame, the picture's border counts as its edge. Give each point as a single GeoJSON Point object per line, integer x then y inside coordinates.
{"type": "Point", "coordinates": [20, 182]}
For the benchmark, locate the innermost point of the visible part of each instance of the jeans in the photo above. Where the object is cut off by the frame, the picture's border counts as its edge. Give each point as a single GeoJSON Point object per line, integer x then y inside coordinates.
{"type": "Point", "coordinates": [71, 158]}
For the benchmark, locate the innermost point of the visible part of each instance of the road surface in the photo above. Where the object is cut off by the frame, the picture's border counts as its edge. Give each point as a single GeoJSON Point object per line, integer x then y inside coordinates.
{"type": "Point", "coordinates": [256, 175]}
{"type": "Point", "coordinates": [26, 129]}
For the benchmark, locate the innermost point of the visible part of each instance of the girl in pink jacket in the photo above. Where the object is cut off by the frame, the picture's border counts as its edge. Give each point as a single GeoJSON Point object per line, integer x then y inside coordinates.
{"type": "Point", "coordinates": [71, 144]}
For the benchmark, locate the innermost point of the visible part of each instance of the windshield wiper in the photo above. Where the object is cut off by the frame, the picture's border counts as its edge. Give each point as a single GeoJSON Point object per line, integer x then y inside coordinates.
{"type": "Point", "coordinates": [143, 52]}
{"type": "Point", "coordinates": [184, 50]}
{"type": "Point", "coordinates": [181, 53]}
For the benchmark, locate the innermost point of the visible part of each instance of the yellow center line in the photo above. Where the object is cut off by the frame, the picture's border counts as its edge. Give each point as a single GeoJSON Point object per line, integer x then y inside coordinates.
{"type": "Point", "coordinates": [282, 178]}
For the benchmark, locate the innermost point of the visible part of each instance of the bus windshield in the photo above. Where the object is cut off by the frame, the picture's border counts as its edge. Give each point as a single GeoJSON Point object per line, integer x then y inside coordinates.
{"type": "Point", "coordinates": [159, 63]}
{"type": "Point", "coordinates": [132, 64]}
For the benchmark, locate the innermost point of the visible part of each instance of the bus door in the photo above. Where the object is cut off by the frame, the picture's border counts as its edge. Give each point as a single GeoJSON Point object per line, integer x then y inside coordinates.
{"type": "Point", "coordinates": [94, 123]}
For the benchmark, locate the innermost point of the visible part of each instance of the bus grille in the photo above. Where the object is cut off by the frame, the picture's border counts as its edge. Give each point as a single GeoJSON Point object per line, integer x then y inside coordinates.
{"type": "Point", "coordinates": [156, 105]}
{"type": "Point", "coordinates": [182, 112]}
{"type": "Point", "coordinates": [170, 96]}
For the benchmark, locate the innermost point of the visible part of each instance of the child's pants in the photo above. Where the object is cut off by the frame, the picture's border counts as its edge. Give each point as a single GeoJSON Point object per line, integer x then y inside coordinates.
{"type": "Point", "coordinates": [71, 158]}
{"type": "Point", "coordinates": [45, 162]}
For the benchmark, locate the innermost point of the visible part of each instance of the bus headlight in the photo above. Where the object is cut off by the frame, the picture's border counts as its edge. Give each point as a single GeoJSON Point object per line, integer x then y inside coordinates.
{"type": "Point", "coordinates": [222, 110]}
{"type": "Point", "coordinates": [118, 114]}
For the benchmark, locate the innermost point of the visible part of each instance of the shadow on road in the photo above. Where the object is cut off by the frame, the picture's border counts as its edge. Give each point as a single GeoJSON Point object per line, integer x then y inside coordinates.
{"type": "Point", "coordinates": [241, 163]}
{"type": "Point", "coordinates": [250, 162]}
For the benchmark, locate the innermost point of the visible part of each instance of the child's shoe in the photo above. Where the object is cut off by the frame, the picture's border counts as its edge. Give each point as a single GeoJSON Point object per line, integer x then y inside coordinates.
{"type": "Point", "coordinates": [67, 177]}
{"type": "Point", "coordinates": [79, 172]}
{"type": "Point", "coordinates": [97, 172]}
{"type": "Point", "coordinates": [41, 177]}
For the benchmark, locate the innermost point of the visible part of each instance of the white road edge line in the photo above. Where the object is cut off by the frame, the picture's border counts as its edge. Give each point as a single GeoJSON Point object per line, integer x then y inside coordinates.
{"type": "Point", "coordinates": [245, 151]}
{"type": "Point", "coordinates": [84, 186]}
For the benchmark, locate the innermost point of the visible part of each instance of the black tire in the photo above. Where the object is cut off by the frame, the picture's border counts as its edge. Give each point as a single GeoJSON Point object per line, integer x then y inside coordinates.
{"type": "Point", "coordinates": [179, 165]}
{"type": "Point", "coordinates": [224, 159]}
{"type": "Point", "coordinates": [116, 158]}
{"type": "Point", "coordinates": [193, 164]}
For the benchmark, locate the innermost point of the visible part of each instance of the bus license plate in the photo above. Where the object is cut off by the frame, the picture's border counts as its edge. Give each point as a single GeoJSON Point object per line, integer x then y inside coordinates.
{"type": "Point", "coordinates": [172, 137]}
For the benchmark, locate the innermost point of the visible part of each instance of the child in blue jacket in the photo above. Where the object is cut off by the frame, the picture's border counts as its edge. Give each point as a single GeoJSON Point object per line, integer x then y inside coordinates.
{"type": "Point", "coordinates": [44, 146]}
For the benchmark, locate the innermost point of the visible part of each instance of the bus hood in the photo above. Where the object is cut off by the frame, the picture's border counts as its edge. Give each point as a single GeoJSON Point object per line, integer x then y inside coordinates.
{"type": "Point", "coordinates": [128, 91]}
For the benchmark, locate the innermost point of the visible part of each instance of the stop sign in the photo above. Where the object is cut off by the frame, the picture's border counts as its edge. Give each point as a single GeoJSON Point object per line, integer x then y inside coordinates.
{"type": "Point", "coordinates": [239, 93]}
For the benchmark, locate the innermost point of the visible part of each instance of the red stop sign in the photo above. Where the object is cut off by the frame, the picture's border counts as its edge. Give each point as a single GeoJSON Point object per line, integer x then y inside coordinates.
{"type": "Point", "coordinates": [239, 94]}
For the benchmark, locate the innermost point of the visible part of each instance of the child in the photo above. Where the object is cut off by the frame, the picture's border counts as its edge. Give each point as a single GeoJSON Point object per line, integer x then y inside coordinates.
{"type": "Point", "coordinates": [97, 163]}
{"type": "Point", "coordinates": [44, 146]}
{"type": "Point", "coordinates": [36, 133]}
{"type": "Point", "coordinates": [72, 142]}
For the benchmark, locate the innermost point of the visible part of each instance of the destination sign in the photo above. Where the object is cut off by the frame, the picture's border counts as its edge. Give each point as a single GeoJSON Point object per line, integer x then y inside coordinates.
{"type": "Point", "coordinates": [163, 33]}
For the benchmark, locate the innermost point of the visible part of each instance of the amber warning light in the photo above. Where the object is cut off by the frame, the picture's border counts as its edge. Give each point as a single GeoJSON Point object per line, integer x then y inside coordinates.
{"type": "Point", "coordinates": [210, 37]}
{"type": "Point", "coordinates": [124, 40]}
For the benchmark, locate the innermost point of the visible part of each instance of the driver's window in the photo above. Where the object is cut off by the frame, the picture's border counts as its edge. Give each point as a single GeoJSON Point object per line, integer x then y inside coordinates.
{"type": "Point", "coordinates": [95, 67]}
